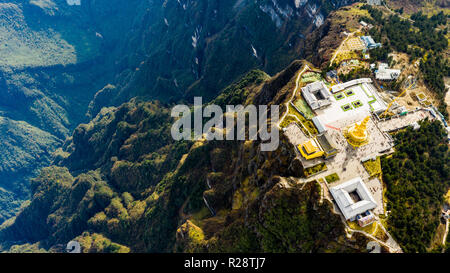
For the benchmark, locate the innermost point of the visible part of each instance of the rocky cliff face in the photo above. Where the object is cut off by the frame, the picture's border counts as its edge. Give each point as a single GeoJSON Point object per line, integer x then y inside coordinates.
{"type": "Point", "coordinates": [188, 48]}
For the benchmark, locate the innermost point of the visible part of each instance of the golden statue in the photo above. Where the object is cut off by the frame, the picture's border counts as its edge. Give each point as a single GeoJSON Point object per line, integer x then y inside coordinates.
{"type": "Point", "coordinates": [357, 134]}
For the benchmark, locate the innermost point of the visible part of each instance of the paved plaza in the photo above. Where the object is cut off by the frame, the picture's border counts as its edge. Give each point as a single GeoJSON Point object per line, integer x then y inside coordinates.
{"type": "Point", "coordinates": [404, 121]}
{"type": "Point", "coordinates": [357, 101]}
{"type": "Point", "coordinates": [347, 163]}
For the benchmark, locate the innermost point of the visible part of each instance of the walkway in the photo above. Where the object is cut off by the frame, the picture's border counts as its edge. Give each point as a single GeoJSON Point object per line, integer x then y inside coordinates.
{"type": "Point", "coordinates": [297, 84]}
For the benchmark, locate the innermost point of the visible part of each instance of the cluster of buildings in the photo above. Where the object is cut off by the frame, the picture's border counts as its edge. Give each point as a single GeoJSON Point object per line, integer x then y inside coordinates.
{"type": "Point", "coordinates": [333, 106]}
{"type": "Point", "coordinates": [365, 43]}
{"type": "Point", "coordinates": [346, 113]}
{"type": "Point", "coordinates": [336, 107]}
{"type": "Point", "coordinates": [346, 116]}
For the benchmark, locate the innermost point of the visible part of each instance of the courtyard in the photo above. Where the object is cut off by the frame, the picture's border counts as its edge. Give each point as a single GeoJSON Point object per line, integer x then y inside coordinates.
{"type": "Point", "coordinates": [357, 101]}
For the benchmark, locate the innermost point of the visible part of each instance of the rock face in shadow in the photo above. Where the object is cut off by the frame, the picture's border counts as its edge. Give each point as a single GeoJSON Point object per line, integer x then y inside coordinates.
{"type": "Point", "coordinates": [197, 48]}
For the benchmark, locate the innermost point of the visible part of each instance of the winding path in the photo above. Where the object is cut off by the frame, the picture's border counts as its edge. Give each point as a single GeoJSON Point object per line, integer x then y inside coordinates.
{"type": "Point", "coordinates": [447, 96]}
{"type": "Point", "coordinates": [399, 15]}
{"type": "Point", "coordinates": [342, 44]}
{"type": "Point", "coordinates": [297, 84]}
{"type": "Point", "coordinates": [444, 240]}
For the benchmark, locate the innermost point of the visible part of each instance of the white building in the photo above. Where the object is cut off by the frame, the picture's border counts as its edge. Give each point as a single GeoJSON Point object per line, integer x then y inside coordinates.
{"type": "Point", "coordinates": [319, 124]}
{"type": "Point", "coordinates": [384, 73]}
{"type": "Point", "coordinates": [316, 95]}
{"type": "Point", "coordinates": [369, 42]}
{"type": "Point", "coordinates": [353, 198]}
{"type": "Point", "coordinates": [74, 2]}
{"type": "Point", "coordinates": [374, 2]}
{"type": "Point", "coordinates": [342, 86]}
{"type": "Point", "coordinates": [351, 100]}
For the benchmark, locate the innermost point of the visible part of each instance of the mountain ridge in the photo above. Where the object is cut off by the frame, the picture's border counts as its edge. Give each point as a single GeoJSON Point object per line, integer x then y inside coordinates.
{"type": "Point", "coordinates": [128, 187]}
{"type": "Point", "coordinates": [77, 59]}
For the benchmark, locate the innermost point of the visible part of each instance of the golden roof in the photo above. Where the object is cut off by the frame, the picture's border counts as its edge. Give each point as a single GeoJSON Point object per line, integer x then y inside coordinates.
{"type": "Point", "coordinates": [310, 147]}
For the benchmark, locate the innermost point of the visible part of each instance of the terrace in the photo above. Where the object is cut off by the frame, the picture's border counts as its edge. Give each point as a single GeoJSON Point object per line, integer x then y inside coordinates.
{"type": "Point", "coordinates": [354, 101]}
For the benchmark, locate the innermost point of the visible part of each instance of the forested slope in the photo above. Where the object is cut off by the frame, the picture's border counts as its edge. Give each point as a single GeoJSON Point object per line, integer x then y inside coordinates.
{"type": "Point", "coordinates": [417, 177]}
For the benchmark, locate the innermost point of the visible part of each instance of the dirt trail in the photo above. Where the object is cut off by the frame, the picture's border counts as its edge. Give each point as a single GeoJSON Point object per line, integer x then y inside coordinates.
{"type": "Point", "coordinates": [297, 83]}
{"type": "Point", "coordinates": [447, 96]}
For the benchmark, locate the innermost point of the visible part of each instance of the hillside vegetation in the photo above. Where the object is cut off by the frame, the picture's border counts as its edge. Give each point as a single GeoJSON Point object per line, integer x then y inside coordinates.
{"type": "Point", "coordinates": [61, 64]}
{"type": "Point", "coordinates": [425, 39]}
{"type": "Point", "coordinates": [417, 177]}
{"type": "Point", "coordinates": [124, 184]}
{"type": "Point", "coordinates": [119, 183]}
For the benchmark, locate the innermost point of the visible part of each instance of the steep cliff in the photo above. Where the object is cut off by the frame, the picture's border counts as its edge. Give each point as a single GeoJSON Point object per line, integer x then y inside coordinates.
{"type": "Point", "coordinates": [188, 48]}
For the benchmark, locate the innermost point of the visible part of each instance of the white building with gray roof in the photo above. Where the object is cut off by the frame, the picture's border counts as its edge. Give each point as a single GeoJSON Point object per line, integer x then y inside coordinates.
{"type": "Point", "coordinates": [317, 95]}
{"type": "Point", "coordinates": [384, 73]}
{"type": "Point", "coordinates": [353, 198]}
